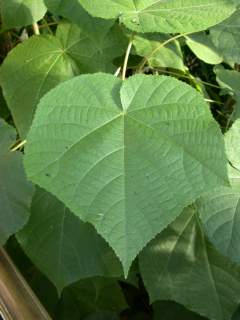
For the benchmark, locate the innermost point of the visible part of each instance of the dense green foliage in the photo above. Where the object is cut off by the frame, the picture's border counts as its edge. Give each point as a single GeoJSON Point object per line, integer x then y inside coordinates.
{"type": "Point", "coordinates": [120, 156]}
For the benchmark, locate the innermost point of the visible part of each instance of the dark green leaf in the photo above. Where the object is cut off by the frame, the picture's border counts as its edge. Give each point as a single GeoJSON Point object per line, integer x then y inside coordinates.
{"type": "Point", "coordinates": [92, 296]}
{"type": "Point", "coordinates": [63, 247]}
{"type": "Point", "coordinates": [19, 13]}
{"type": "Point", "coordinates": [181, 265]}
{"type": "Point", "coordinates": [15, 191]}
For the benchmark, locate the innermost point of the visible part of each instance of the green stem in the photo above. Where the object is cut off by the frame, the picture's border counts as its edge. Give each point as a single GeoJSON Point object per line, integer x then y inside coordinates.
{"type": "Point", "coordinates": [161, 45]}
{"type": "Point", "coordinates": [126, 58]}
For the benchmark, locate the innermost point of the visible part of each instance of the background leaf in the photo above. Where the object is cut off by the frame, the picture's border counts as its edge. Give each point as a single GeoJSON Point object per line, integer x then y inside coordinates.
{"type": "Point", "coordinates": [63, 247]}
{"type": "Point", "coordinates": [226, 38]}
{"type": "Point", "coordinates": [168, 310]}
{"type": "Point", "coordinates": [229, 81]}
{"type": "Point", "coordinates": [15, 191]}
{"type": "Point", "coordinates": [90, 296]}
{"type": "Point", "coordinates": [181, 265]}
{"type": "Point", "coordinates": [220, 210]}
{"type": "Point", "coordinates": [203, 47]}
{"type": "Point", "coordinates": [19, 13]}
{"type": "Point", "coordinates": [150, 47]}
{"type": "Point", "coordinates": [42, 62]}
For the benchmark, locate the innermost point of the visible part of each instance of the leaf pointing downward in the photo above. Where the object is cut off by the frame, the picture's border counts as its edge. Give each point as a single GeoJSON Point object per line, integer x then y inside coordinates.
{"type": "Point", "coordinates": [127, 157]}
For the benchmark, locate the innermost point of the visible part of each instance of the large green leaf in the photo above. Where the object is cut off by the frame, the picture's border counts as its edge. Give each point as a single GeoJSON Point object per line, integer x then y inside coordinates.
{"type": "Point", "coordinates": [15, 191]}
{"type": "Point", "coordinates": [112, 151]}
{"type": "Point", "coordinates": [229, 81]}
{"type": "Point", "coordinates": [203, 48]}
{"type": "Point", "coordinates": [220, 210]}
{"type": "Point", "coordinates": [162, 16]}
{"type": "Point", "coordinates": [62, 246]}
{"type": "Point", "coordinates": [181, 265]}
{"type": "Point", "coordinates": [151, 47]}
{"type": "Point", "coordinates": [19, 13]}
{"type": "Point", "coordinates": [40, 63]}
{"type": "Point", "coordinates": [90, 296]}
{"type": "Point", "coordinates": [226, 37]}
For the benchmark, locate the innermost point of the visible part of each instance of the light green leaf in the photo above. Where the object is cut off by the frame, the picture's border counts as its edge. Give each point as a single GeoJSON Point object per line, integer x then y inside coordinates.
{"type": "Point", "coordinates": [62, 247]}
{"type": "Point", "coordinates": [91, 296]}
{"type": "Point", "coordinates": [203, 48]}
{"type": "Point", "coordinates": [111, 151]}
{"type": "Point", "coordinates": [226, 38]}
{"type": "Point", "coordinates": [229, 80]}
{"type": "Point", "coordinates": [19, 13]}
{"type": "Point", "coordinates": [181, 265]}
{"type": "Point", "coordinates": [40, 63]}
{"type": "Point", "coordinates": [15, 191]}
{"type": "Point", "coordinates": [233, 145]}
{"type": "Point", "coordinates": [150, 47]}
{"type": "Point", "coordinates": [162, 16]}
{"type": "Point", "coordinates": [220, 210]}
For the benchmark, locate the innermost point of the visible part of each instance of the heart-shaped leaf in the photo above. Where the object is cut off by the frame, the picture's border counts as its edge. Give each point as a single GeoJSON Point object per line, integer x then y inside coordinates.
{"type": "Point", "coordinates": [162, 16]}
{"type": "Point", "coordinates": [125, 156]}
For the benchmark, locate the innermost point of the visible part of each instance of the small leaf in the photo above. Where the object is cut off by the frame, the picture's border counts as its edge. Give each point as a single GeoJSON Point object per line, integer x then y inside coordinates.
{"type": "Point", "coordinates": [150, 47]}
{"type": "Point", "coordinates": [15, 191]}
{"type": "Point", "coordinates": [229, 81]}
{"type": "Point", "coordinates": [181, 265]}
{"type": "Point", "coordinates": [92, 296]}
{"type": "Point", "coordinates": [220, 210]}
{"type": "Point", "coordinates": [63, 247]}
{"type": "Point", "coordinates": [42, 62]}
{"type": "Point", "coordinates": [162, 16]}
{"type": "Point", "coordinates": [112, 150]}
{"type": "Point", "coordinates": [20, 13]}
{"type": "Point", "coordinates": [226, 38]}
{"type": "Point", "coordinates": [203, 48]}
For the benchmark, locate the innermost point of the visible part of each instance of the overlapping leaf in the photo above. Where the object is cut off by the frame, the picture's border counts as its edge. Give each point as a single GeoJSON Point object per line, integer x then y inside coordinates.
{"type": "Point", "coordinates": [229, 82]}
{"type": "Point", "coordinates": [112, 152]}
{"type": "Point", "coordinates": [162, 16]}
{"type": "Point", "coordinates": [220, 210]}
{"type": "Point", "coordinates": [62, 246]}
{"type": "Point", "coordinates": [226, 38]}
{"type": "Point", "coordinates": [203, 47]}
{"type": "Point", "coordinates": [15, 191]}
{"type": "Point", "coordinates": [151, 48]}
{"type": "Point", "coordinates": [181, 265]}
{"type": "Point", "coordinates": [39, 64]}
{"type": "Point", "coordinates": [93, 295]}
{"type": "Point", "coordinates": [19, 13]}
